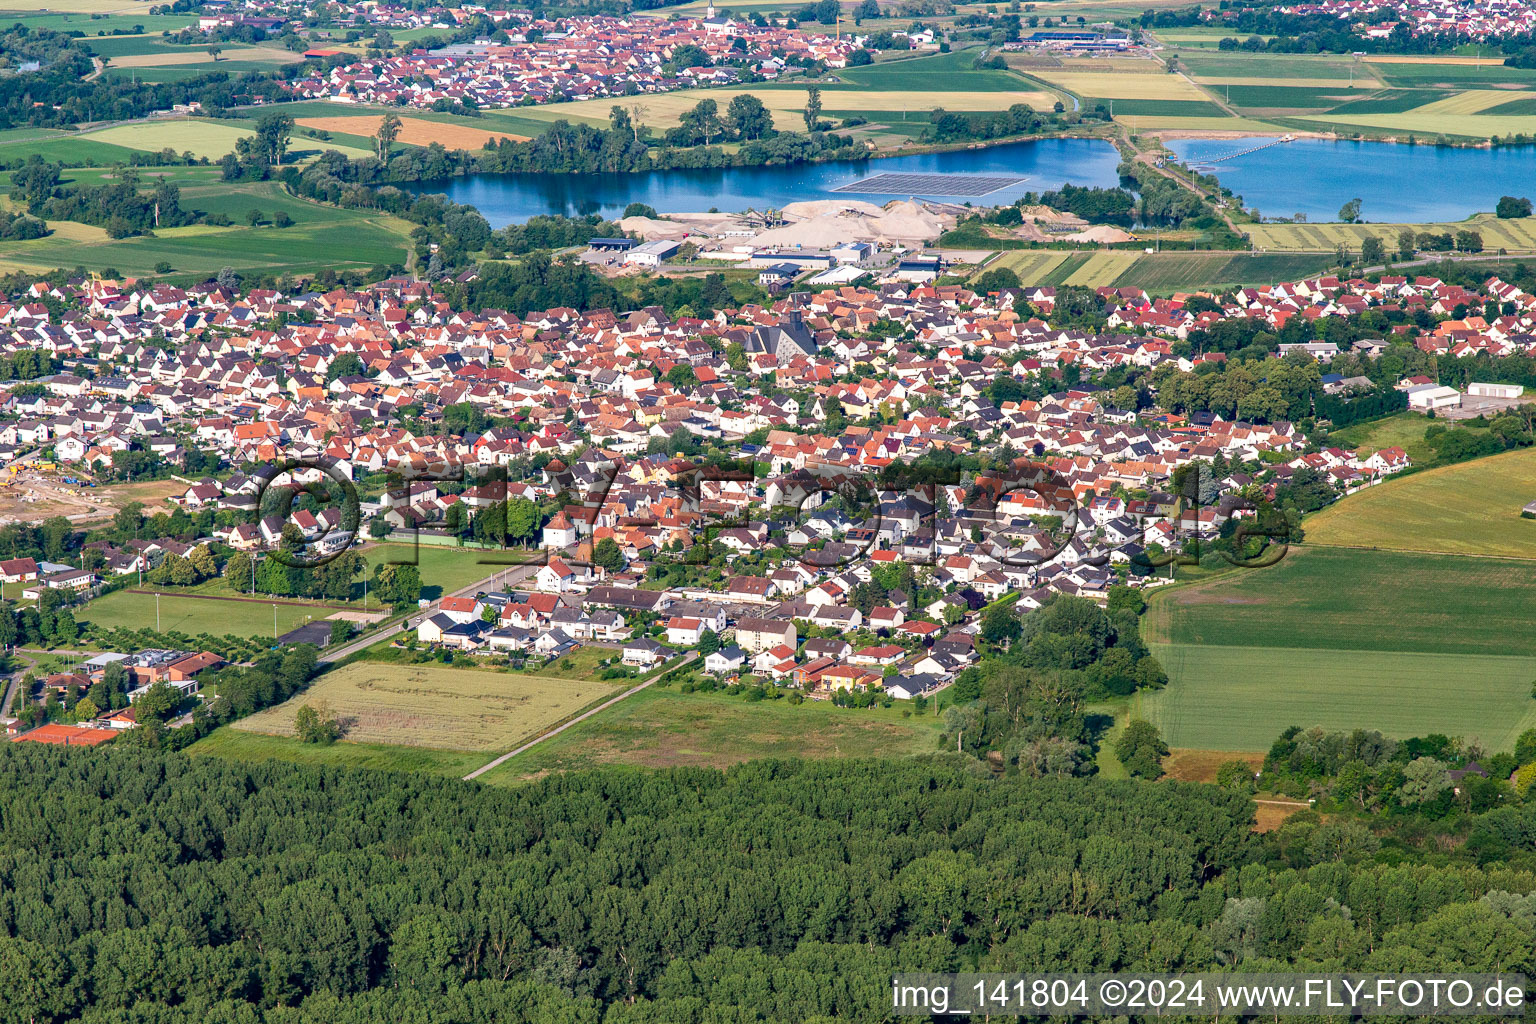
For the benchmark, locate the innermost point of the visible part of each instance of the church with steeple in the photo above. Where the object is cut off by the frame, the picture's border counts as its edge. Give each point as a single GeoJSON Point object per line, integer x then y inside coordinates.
{"type": "Point", "coordinates": [713, 22]}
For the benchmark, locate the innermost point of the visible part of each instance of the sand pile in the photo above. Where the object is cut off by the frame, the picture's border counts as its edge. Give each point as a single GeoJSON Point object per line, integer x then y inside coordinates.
{"type": "Point", "coordinates": [1102, 233]}
{"type": "Point", "coordinates": [820, 224]}
{"type": "Point", "coordinates": [678, 225]}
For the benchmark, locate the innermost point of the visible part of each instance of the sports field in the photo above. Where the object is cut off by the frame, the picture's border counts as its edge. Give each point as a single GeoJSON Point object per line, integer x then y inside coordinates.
{"type": "Point", "coordinates": [1515, 235]}
{"type": "Point", "coordinates": [659, 728]}
{"type": "Point", "coordinates": [194, 614]}
{"type": "Point", "coordinates": [1469, 508]}
{"type": "Point", "coordinates": [435, 706]}
{"type": "Point", "coordinates": [1240, 698]}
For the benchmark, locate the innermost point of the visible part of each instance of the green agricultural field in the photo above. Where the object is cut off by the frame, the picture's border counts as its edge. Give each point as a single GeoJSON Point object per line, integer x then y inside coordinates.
{"type": "Point", "coordinates": [944, 72]}
{"type": "Point", "coordinates": [1349, 599]}
{"type": "Point", "coordinates": [1282, 97]}
{"type": "Point", "coordinates": [1240, 698]}
{"type": "Point", "coordinates": [1033, 266]}
{"type": "Point", "coordinates": [1469, 508]}
{"type": "Point", "coordinates": [1157, 108]}
{"type": "Point", "coordinates": [1465, 76]}
{"type": "Point", "coordinates": [71, 150]}
{"type": "Point", "coordinates": [1524, 107]}
{"type": "Point", "coordinates": [92, 24]}
{"type": "Point", "coordinates": [1265, 66]}
{"type": "Point", "coordinates": [320, 236]}
{"type": "Point", "coordinates": [137, 45]}
{"type": "Point", "coordinates": [237, 745]}
{"type": "Point", "coordinates": [194, 615]}
{"type": "Point", "coordinates": [1515, 235]}
{"type": "Point", "coordinates": [660, 728]}
{"type": "Point", "coordinates": [1392, 101]}
{"type": "Point", "coordinates": [435, 706]}
{"type": "Point", "coordinates": [1161, 273]}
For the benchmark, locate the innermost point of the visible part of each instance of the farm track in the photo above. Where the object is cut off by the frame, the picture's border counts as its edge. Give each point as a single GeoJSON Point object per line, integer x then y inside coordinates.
{"type": "Point", "coordinates": [557, 730]}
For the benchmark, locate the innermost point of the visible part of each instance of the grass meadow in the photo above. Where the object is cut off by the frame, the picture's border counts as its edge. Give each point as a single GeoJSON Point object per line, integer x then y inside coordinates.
{"type": "Point", "coordinates": [1404, 430]}
{"type": "Point", "coordinates": [239, 745]}
{"type": "Point", "coordinates": [660, 728]}
{"type": "Point", "coordinates": [435, 706]}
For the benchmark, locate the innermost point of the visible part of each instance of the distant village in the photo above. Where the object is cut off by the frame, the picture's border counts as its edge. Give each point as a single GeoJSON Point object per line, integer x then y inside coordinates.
{"type": "Point", "coordinates": [1377, 19]}
{"type": "Point", "coordinates": [597, 420]}
{"type": "Point", "coordinates": [552, 60]}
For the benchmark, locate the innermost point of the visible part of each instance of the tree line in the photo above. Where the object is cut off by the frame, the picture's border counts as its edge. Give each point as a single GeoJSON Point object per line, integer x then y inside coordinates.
{"type": "Point", "coordinates": [147, 886]}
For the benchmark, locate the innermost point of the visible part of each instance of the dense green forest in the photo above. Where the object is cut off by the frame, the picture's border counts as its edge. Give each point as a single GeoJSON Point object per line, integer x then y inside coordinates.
{"type": "Point", "coordinates": [142, 886]}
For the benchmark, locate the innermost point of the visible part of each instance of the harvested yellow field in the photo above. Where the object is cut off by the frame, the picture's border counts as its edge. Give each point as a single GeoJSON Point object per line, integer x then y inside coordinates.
{"type": "Point", "coordinates": [165, 60]}
{"type": "Point", "coordinates": [1100, 65]}
{"type": "Point", "coordinates": [74, 231]}
{"type": "Point", "coordinates": [414, 131]}
{"type": "Point", "coordinates": [1413, 122]}
{"type": "Point", "coordinates": [665, 109]}
{"type": "Point", "coordinates": [1031, 266]}
{"type": "Point", "coordinates": [1123, 85]}
{"type": "Point", "coordinates": [1409, 58]}
{"type": "Point", "coordinates": [1102, 268]}
{"type": "Point", "coordinates": [1470, 102]}
{"type": "Point", "coordinates": [434, 705]}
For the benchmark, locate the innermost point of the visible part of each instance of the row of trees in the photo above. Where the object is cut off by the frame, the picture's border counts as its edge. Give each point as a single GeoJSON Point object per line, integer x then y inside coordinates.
{"type": "Point", "coordinates": [289, 576]}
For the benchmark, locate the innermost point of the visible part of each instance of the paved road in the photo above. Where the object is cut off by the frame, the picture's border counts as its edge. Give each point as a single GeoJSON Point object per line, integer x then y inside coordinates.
{"type": "Point", "coordinates": [10, 692]}
{"type": "Point", "coordinates": [557, 730]}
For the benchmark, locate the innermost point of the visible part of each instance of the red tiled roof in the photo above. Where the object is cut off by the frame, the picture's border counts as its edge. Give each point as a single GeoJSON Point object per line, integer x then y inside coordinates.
{"type": "Point", "coordinates": [67, 735]}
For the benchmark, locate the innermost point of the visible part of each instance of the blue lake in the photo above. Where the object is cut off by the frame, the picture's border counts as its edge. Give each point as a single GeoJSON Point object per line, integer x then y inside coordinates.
{"type": "Point", "coordinates": [513, 198]}
{"type": "Point", "coordinates": [1397, 182]}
